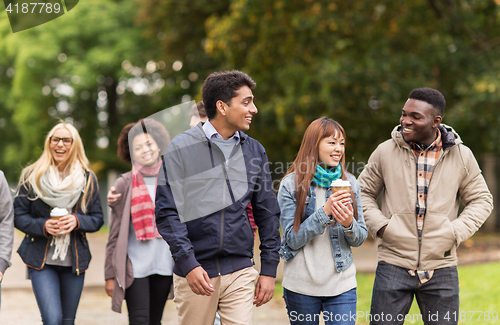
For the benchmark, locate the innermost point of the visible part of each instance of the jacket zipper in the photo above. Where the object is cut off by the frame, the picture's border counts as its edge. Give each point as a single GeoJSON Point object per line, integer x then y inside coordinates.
{"type": "Point", "coordinates": [221, 237]}
{"type": "Point", "coordinates": [226, 166]}
{"type": "Point", "coordinates": [222, 215]}
{"type": "Point", "coordinates": [76, 250]}
{"type": "Point", "coordinates": [76, 246]}
{"type": "Point", "coordinates": [419, 237]}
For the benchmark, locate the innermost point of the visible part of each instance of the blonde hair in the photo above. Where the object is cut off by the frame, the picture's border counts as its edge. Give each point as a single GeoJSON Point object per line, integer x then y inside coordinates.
{"type": "Point", "coordinates": [32, 173]}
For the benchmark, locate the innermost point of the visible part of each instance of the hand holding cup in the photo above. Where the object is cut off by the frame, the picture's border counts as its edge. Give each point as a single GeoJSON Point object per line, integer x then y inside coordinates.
{"type": "Point", "coordinates": [60, 222]}
{"type": "Point", "coordinates": [339, 203]}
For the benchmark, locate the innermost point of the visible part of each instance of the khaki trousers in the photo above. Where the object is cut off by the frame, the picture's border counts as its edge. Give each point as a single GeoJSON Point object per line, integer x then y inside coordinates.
{"type": "Point", "coordinates": [232, 299]}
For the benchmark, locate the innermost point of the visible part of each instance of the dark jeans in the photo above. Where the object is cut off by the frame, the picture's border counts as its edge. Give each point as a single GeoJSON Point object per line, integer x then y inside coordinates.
{"type": "Point", "coordinates": [394, 289]}
{"type": "Point", "coordinates": [308, 310]}
{"type": "Point", "coordinates": [146, 299]}
{"type": "Point", "coordinates": [57, 291]}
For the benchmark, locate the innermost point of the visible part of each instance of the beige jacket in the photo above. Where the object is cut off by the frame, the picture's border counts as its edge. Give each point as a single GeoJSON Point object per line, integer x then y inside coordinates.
{"type": "Point", "coordinates": [391, 173]}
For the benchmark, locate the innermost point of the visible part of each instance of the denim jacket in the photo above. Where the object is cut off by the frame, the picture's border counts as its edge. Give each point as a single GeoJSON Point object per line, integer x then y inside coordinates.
{"type": "Point", "coordinates": [316, 221]}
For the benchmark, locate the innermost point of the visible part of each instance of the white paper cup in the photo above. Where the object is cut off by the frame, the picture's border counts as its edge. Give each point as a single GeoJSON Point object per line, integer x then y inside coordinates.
{"type": "Point", "coordinates": [57, 213]}
{"type": "Point", "coordinates": [339, 185]}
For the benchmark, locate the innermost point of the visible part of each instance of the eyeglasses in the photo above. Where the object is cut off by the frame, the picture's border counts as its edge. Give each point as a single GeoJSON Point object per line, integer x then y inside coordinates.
{"type": "Point", "coordinates": [66, 141]}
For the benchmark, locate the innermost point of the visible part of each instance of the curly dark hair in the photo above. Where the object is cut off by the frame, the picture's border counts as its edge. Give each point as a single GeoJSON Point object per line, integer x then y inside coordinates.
{"type": "Point", "coordinates": [149, 126]}
{"type": "Point", "coordinates": [223, 86]}
{"type": "Point", "coordinates": [430, 96]}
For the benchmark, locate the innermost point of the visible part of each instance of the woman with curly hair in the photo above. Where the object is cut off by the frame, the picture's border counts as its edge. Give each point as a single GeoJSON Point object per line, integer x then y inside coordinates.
{"type": "Point", "coordinates": [138, 266]}
{"type": "Point", "coordinates": [56, 251]}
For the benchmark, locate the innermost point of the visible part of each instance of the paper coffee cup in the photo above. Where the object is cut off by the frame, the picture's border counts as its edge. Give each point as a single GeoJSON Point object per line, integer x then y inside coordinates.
{"type": "Point", "coordinates": [57, 213]}
{"type": "Point", "coordinates": [339, 184]}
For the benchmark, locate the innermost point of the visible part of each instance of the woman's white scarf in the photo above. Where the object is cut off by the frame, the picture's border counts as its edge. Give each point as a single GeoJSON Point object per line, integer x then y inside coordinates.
{"type": "Point", "coordinates": [62, 192]}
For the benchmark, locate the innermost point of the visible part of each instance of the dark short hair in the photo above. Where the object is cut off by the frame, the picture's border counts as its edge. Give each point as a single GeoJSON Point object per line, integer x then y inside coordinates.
{"type": "Point", "coordinates": [223, 86]}
{"type": "Point", "coordinates": [430, 96]}
{"type": "Point", "coordinates": [149, 126]}
{"type": "Point", "coordinates": [198, 109]}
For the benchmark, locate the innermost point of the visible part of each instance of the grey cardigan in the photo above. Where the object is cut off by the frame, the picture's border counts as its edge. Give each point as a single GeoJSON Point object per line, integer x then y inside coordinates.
{"type": "Point", "coordinates": [6, 224]}
{"type": "Point", "coordinates": [117, 264]}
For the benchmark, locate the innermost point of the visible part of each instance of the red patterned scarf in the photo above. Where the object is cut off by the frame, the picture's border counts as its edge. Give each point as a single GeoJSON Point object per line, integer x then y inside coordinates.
{"type": "Point", "coordinates": [142, 207]}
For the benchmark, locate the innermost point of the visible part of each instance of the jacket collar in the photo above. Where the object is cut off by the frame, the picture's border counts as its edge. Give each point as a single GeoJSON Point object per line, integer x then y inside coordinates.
{"type": "Point", "coordinates": [198, 133]}
{"type": "Point", "coordinates": [211, 132]}
{"type": "Point", "coordinates": [449, 137]}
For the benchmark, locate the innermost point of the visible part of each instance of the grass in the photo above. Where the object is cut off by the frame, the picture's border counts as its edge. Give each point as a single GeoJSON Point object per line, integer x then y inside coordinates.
{"type": "Point", "coordinates": [479, 292]}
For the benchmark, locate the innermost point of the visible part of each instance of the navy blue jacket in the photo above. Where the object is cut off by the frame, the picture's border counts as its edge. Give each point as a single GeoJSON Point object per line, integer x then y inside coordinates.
{"type": "Point", "coordinates": [30, 216]}
{"type": "Point", "coordinates": [201, 205]}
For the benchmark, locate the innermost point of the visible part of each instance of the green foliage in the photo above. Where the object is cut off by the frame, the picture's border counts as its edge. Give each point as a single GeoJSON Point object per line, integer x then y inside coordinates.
{"type": "Point", "coordinates": [357, 62]}
{"type": "Point", "coordinates": [180, 29]}
{"type": "Point", "coordinates": [81, 52]}
{"type": "Point", "coordinates": [354, 61]}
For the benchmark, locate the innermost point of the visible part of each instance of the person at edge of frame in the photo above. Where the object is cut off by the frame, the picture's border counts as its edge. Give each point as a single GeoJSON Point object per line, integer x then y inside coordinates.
{"type": "Point", "coordinates": [209, 175]}
{"type": "Point", "coordinates": [6, 227]}
{"type": "Point", "coordinates": [421, 173]}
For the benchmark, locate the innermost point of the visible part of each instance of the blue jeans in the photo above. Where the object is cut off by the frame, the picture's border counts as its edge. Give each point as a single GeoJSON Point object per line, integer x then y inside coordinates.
{"type": "Point", "coordinates": [57, 291]}
{"type": "Point", "coordinates": [394, 289]}
{"type": "Point", "coordinates": [308, 310]}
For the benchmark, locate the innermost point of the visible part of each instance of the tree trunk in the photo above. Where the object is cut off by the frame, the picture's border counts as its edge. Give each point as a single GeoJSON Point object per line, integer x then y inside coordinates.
{"type": "Point", "coordinates": [112, 176]}
{"type": "Point", "coordinates": [489, 173]}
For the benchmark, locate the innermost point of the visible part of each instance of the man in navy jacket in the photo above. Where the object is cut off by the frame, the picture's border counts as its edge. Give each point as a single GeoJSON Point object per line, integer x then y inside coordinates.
{"type": "Point", "coordinates": [209, 175]}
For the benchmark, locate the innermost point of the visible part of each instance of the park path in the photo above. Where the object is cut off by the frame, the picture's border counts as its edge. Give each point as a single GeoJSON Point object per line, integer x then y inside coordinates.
{"type": "Point", "coordinates": [18, 304]}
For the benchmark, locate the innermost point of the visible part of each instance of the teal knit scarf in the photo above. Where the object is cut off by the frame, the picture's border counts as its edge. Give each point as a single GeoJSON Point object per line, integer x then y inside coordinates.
{"type": "Point", "coordinates": [324, 177]}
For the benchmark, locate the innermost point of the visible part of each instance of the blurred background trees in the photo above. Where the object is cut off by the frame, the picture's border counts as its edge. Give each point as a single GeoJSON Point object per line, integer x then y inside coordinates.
{"type": "Point", "coordinates": [108, 62]}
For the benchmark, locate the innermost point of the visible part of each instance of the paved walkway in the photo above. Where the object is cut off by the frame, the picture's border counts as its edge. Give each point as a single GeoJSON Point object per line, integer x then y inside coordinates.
{"type": "Point", "coordinates": [19, 304]}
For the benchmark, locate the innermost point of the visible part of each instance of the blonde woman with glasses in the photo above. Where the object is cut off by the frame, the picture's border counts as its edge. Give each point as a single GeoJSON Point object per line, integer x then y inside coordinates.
{"type": "Point", "coordinates": [55, 249]}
